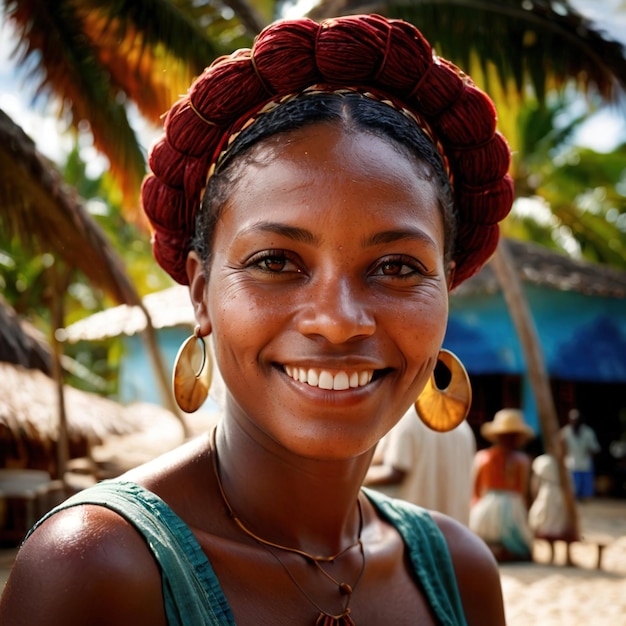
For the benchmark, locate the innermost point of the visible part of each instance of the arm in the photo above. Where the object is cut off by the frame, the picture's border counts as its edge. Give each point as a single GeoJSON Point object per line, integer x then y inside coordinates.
{"type": "Point", "coordinates": [477, 574]}
{"type": "Point", "coordinates": [84, 565]}
{"type": "Point", "coordinates": [593, 444]}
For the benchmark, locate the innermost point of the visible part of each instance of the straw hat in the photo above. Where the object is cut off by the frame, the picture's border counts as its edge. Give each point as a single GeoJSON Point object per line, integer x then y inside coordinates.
{"type": "Point", "coordinates": [507, 421]}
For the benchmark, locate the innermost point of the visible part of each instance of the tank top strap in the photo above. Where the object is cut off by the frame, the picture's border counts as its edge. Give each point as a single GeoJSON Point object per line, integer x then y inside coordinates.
{"type": "Point", "coordinates": [191, 591]}
{"type": "Point", "coordinates": [429, 555]}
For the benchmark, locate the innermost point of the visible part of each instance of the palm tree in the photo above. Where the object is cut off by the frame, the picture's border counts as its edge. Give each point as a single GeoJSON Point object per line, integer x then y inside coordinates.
{"type": "Point", "coordinates": [580, 190]}
{"type": "Point", "coordinates": [94, 57]}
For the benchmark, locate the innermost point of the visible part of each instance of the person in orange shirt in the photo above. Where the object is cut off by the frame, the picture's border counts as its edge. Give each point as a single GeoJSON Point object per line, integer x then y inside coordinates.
{"type": "Point", "coordinates": [500, 500]}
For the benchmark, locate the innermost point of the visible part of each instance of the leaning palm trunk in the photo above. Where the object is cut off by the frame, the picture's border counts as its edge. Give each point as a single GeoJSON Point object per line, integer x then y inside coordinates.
{"type": "Point", "coordinates": [61, 279]}
{"type": "Point", "coordinates": [521, 316]}
{"type": "Point", "coordinates": [149, 337]}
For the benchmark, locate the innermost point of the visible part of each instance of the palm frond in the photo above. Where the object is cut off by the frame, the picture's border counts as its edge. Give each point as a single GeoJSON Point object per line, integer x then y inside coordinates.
{"type": "Point", "coordinates": [94, 56]}
{"type": "Point", "coordinates": [154, 48]}
{"type": "Point", "coordinates": [540, 42]}
{"type": "Point", "coordinates": [66, 68]}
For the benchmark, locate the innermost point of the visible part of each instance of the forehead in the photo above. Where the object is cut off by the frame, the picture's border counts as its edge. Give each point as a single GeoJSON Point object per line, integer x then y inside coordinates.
{"type": "Point", "coordinates": [329, 137]}
{"type": "Point", "coordinates": [327, 171]}
{"type": "Point", "coordinates": [331, 150]}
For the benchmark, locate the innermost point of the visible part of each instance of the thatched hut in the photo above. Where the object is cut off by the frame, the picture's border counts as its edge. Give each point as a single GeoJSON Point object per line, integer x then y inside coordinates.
{"type": "Point", "coordinates": [29, 421]}
{"type": "Point", "coordinates": [30, 429]}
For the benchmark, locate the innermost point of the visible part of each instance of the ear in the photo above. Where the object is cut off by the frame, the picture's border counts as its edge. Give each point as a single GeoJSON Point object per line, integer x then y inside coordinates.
{"type": "Point", "coordinates": [451, 270]}
{"type": "Point", "coordinates": [198, 291]}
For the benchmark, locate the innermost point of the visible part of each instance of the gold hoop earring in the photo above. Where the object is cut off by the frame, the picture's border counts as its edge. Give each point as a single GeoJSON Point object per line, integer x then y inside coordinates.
{"type": "Point", "coordinates": [193, 371]}
{"type": "Point", "coordinates": [445, 401]}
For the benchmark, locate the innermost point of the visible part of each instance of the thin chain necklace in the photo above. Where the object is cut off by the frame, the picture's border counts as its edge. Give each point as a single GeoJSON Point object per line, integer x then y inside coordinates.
{"type": "Point", "coordinates": [324, 619]}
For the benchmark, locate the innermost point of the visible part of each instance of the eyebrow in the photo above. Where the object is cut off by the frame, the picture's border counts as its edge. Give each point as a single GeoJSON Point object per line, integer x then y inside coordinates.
{"type": "Point", "coordinates": [389, 236]}
{"type": "Point", "coordinates": [306, 236]}
{"type": "Point", "coordinates": [291, 232]}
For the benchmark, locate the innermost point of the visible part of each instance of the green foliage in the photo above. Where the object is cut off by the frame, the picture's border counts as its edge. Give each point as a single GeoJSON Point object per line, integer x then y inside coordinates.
{"type": "Point", "coordinates": [582, 192]}
{"type": "Point", "coordinates": [131, 241]}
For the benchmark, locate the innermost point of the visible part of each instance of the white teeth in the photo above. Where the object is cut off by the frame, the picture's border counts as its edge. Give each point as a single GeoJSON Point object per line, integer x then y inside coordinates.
{"type": "Point", "coordinates": [327, 380]}
{"type": "Point", "coordinates": [313, 379]}
{"type": "Point", "coordinates": [341, 382]}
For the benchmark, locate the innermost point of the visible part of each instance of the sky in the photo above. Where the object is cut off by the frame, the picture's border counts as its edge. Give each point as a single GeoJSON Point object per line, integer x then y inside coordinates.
{"type": "Point", "coordinates": [603, 132]}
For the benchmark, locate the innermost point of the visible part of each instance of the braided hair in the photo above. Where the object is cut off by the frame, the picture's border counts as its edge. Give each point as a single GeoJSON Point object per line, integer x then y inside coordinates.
{"type": "Point", "coordinates": [386, 59]}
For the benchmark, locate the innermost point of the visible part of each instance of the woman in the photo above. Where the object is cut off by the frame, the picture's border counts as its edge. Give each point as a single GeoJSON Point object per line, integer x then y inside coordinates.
{"type": "Point", "coordinates": [501, 497]}
{"type": "Point", "coordinates": [320, 261]}
{"type": "Point", "coordinates": [548, 516]}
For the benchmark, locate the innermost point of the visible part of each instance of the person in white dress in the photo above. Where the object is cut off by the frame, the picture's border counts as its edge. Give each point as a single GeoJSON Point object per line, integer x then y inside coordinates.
{"type": "Point", "coordinates": [430, 469]}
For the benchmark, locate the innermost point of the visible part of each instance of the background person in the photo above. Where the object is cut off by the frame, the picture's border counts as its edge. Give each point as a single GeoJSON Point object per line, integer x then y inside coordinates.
{"type": "Point", "coordinates": [580, 445]}
{"type": "Point", "coordinates": [430, 469]}
{"type": "Point", "coordinates": [501, 476]}
{"type": "Point", "coordinates": [548, 517]}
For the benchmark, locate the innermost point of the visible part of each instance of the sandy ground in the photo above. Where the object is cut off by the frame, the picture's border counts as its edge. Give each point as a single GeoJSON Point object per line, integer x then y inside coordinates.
{"type": "Point", "coordinates": [553, 594]}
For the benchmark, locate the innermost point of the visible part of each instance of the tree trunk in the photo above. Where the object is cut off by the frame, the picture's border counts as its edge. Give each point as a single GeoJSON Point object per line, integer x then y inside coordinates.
{"type": "Point", "coordinates": [150, 339]}
{"type": "Point", "coordinates": [510, 283]}
{"type": "Point", "coordinates": [59, 285]}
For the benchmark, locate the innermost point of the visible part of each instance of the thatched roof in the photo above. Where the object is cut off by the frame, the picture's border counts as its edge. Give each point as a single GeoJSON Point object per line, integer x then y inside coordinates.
{"type": "Point", "coordinates": [47, 215]}
{"type": "Point", "coordinates": [29, 409]}
{"type": "Point", "coordinates": [167, 308]}
{"type": "Point", "coordinates": [538, 265]}
{"type": "Point", "coordinates": [21, 343]}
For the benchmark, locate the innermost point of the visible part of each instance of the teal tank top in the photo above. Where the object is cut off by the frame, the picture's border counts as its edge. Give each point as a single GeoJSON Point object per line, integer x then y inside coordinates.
{"type": "Point", "coordinates": [191, 591]}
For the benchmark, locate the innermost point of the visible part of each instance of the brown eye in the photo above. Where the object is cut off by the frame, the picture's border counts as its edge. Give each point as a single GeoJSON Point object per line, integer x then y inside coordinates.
{"type": "Point", "coordinates": [391, 268]}
{"type": "Point", "coordinates": [274, 264]}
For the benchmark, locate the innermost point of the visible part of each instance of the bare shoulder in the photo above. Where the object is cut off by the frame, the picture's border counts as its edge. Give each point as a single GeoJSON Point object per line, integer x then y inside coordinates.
{"type": "Point", "coordinates": [85, 565]}
{"type": "Point", "coordinates": [477, 573]}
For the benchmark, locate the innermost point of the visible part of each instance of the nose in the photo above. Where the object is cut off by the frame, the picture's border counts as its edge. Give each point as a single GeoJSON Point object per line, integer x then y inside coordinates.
{"type": "Point", "coordinates": [337, 311]}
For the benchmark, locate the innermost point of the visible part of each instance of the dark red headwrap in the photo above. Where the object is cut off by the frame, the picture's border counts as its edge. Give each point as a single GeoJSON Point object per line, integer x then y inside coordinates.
{"type": "Point", "coordinates": [364, 52]}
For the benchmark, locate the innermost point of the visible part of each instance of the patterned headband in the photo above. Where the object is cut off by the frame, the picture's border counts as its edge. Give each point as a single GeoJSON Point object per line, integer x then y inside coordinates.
{"type": "Point", "coordinates": [384, 59]}
{"type": "Point", "coordinates": [237, 129]}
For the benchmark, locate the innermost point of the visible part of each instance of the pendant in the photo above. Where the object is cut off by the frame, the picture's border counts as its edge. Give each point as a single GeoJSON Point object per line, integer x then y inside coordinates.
{"type": "Point", "coordinates": [335, 620]}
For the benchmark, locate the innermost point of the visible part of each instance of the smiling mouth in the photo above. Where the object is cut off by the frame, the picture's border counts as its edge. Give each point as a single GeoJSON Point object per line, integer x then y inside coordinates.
{"type": "Point", "coordinates": [325, 379]}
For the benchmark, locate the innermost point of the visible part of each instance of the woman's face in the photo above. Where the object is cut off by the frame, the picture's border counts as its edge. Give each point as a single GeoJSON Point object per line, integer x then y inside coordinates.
{"type": "Point", "coordinates": [327, 296]}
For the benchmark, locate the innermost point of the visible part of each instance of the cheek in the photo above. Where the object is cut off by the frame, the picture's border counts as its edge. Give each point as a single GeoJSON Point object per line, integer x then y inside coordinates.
{"type": "Point", "coordinates": [421, 331]}
{"type": "Point", "coordinates": [426, 319]}
{"type": "Point", "coordinates": [242, 324]}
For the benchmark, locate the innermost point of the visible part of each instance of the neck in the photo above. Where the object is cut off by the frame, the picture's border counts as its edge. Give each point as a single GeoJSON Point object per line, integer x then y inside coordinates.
{"type": "Point", "coordinates": [305, 504]}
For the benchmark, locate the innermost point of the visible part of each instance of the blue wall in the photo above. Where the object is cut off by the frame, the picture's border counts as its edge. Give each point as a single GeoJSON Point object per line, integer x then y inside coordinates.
{"type": "Point", "coordinates": [137, 382]}
{"type": "Point", "coordinates": [583, 337]}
